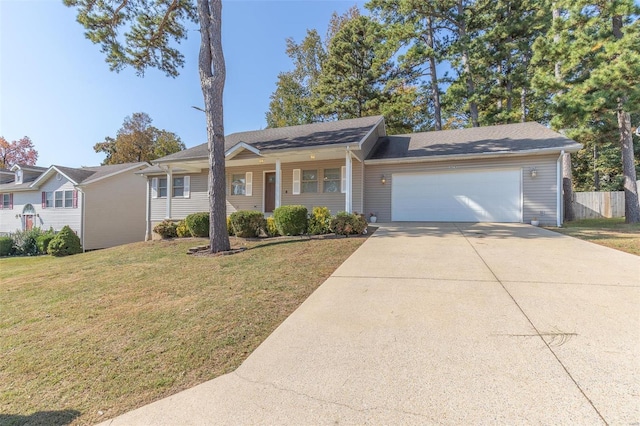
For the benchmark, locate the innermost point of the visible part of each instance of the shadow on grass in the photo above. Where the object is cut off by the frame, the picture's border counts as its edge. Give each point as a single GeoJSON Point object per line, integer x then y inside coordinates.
{"type": "Point", "coordinates": [302, 239]}
{"type": "Point", "coordinates": [41, 418]}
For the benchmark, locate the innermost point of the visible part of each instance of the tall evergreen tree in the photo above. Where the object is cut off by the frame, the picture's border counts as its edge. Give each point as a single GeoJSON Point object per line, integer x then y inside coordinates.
{"type": "Point", "coordinates": [596, 47]}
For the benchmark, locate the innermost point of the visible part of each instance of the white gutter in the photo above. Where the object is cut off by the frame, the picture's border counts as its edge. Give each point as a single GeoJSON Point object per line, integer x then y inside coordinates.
{"type": "Point", "coordinates": [559, 206]}
{"type": "Point", "coordinates": [82, 215]}
{"type": "Point", "coordinates": [427, 158]}
{"type": "Point", "coordinates": [147, 231]}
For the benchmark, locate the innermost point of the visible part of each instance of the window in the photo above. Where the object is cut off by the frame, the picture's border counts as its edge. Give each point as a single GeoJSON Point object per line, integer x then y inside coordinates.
{"type": "Point", "coordinates": [68, 199]}
{"type": "Point", "coordinates": [309, 181]}
{"type": "Point", "coordinates": [59, 199]}
{"type": "Point", "coordinates": [178, 187]}
{"type": "Point", "coordinates": [238, 184]}
{"type": "Point", "coordinates": [19, 176]}
{"type": "Point", "coordinates": [6, 201]}
{"type": "Point", "coordinates": [332, 180]}
{"type": "Point", "coordinates": [48, 199]}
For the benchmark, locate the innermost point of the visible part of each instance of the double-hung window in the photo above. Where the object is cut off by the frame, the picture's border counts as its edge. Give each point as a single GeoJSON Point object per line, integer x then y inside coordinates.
{"type": "Point", "coordinates": [238, 184]}
{"type": "Point", "coordinates": [162, 188]}
{"type": "Point", "coordinates": [48, 200]}
{"type": "Point", "coordinates": [179, 187]}
{"type": "Point", "coordinates": [6, 201]}
{"type": "Point", "coordinates": [59, 199]}
{"type": "Point", "coordinates": [331, 180]}
{"type": "Point", "coordinates": [309, 181]}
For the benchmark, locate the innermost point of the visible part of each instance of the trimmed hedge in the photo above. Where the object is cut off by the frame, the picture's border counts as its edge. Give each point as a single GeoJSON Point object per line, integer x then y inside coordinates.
{"type": "Point", "coordinates": [348, 224]}
{"type": "Point", "coordinates": [291, 220]}
{"type": "Point", "coordinates": [6, 246]}
{"type": "Point", "coordinates": [247, 223]}
{"type": "Point", "coordinates": [65, 243]}
{"type": "Point", "coordinates": [198, 224]}
{"type": "Point", "coordinates": [320, 221]}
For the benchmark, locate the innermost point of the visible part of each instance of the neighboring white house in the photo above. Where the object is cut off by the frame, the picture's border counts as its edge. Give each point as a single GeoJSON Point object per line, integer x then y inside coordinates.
{"type": "Point", "coordinates": [104, 205]}
{"type": "Point", "coordinates": [505, 173]}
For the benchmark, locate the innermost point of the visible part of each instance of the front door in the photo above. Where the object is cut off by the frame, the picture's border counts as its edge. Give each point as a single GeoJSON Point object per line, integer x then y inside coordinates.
{"type": "Point", "coordinates": [269, 192]}
{"type": "Point", "coordinates": [28, 222]}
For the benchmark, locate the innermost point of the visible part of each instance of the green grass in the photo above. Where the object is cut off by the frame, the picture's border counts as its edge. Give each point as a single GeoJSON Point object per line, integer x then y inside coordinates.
{"type": "Point", "coordinates": [612, 233]}
{"type": "Point", "coordinates": [92, 336]}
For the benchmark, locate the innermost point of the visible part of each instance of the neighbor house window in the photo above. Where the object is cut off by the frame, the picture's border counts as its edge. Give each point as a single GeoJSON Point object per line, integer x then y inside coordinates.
{"type": "Point", "coordinates": [19, 176]}
{"type": "Point", "coordinates": [48, 200]}
{"type": "Point", "coordinates": [68, 199]}
{"type": "Point", "coordinates": [6, 201]}
{"type": "Point", "coordinates": [238, 184]}
{"type": "Point", "coordinates": [59, 199]}
{"type": "Point", "coordinates": [332, 180]}
{"type": "Point", "coordinates": [309, 181]}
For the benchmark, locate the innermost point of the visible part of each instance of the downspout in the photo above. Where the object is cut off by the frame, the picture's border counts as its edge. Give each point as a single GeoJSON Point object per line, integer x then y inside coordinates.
{"type": "Point", "coordinates": [559, 206]}
{"type": "Point", "coordinates": [82, 216]}
{"type": "Point", "coordinates": [147, 231]}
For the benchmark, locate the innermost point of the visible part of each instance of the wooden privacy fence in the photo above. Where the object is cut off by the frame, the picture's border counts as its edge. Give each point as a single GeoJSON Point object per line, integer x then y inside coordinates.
{"type": "Point", "coordinates": [593, 205]}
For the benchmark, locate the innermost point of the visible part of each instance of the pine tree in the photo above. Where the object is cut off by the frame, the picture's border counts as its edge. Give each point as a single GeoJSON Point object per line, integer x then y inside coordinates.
{"type": "Point", "coordinates": [596, 48]}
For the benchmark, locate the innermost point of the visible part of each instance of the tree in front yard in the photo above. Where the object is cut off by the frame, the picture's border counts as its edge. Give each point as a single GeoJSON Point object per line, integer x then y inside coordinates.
{"type": "Point", "coordinates": [140, 34]}
{"type": "Point", "coordinates": [17, 152]}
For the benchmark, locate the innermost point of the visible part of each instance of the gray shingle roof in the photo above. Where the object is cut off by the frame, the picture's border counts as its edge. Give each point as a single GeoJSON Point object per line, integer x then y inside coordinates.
{"type": "Point", "coordinates": [306, 135]}
{"type": "Point", "coordinates": [508, 138]}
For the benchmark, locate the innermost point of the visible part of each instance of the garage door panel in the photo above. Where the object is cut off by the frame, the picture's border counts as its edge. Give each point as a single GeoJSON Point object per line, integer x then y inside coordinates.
{"type": "Point", "coordinates": [457, 197]}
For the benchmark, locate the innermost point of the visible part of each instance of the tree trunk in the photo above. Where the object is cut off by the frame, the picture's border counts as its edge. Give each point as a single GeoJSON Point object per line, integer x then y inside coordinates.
{"type": "Point", "coordinates": [567, 188]}
{"type": "Point", "coordinates": [631, 207]}
{"type": "Point", "coordinates": [523, 105]}
{"type": "Point", "coordinates": [435, 90]}
{"type": "Point", "coordinates": [212, 76]}
{"type": "Point", "coordinates": [471, 87]}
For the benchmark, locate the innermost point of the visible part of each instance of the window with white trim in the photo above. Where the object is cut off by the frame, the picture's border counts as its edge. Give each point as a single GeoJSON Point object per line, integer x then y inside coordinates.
{"type": "Point", "coordinates": [162, 188]}
{"type": "Point", "coordinates": [310, 181]}
{"type": "Point", "coordinates": [48, 200]}
{"type": "Point", "coordinates": [61, 199]}
{"type": "Point", "coordinates": [178, 187]}
{"type": "Point", "coordinates": [6, 201]}
{"type": "Point", "coordinates": [331, 181]}
{"type": "Point", "coordinates": [238, 184]}
{"type": "Point", "coordinates": [19, 176]}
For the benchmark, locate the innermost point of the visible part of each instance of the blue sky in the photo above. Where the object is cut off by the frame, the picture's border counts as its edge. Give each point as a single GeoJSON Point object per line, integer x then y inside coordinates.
{"type": "Point", "coordinates": [56, 88]}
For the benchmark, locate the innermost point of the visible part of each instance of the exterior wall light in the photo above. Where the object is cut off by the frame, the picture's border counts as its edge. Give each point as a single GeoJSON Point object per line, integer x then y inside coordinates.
{"type": "Point", "coordinates": [383, 180]}
{"type": "Point", "coordinates": [534, 173]}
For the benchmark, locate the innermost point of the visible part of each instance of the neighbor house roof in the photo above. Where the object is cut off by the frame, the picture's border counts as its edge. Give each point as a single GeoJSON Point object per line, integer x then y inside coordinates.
{"type": "Point", "coordinates": [342, 132]}
{"type": "Point", "coordinates": [501, 139]}
{"type": "Point", "coordinates": [78, 176]}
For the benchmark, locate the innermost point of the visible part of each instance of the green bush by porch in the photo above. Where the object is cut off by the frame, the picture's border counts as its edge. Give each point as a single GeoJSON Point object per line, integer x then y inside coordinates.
{"type": "Point", "coordinates": [291, 220]}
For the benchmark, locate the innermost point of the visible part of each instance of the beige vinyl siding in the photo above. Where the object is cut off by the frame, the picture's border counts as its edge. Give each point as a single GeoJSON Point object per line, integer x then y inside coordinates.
{"type": "Point", "coordinates": [255, 200]}
{"type": "Point", "coordinates": [198, 200]}
{"type": "Point", "coordinates": [539, 194]}
{"type": "Point", "coordinates": [57, 218]}
{"type": "Point", "coordinates": [115, 211]}
{"type": "Point", "coordinates": [335, 202]}
{"type": "Point", "coordinates": [246, 155]}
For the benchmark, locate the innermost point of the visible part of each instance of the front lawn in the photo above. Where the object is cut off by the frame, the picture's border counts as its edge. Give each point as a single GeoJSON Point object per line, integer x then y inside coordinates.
{"type": "Point", "coordinates": [91, 336]}
{"type": "Point", "coordinates": [612, 233]}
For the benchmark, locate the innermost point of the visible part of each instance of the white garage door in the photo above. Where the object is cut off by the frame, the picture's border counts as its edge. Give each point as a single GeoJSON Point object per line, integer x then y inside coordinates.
{"type": "Point", "coordinates": [493, 196]}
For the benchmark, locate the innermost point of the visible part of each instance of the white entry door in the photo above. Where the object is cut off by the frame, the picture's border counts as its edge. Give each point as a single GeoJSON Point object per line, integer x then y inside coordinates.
{"type": "Point", "coordinates": [469, 196]}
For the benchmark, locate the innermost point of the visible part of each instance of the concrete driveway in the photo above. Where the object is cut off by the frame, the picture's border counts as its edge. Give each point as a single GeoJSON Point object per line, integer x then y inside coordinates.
{"type": "Point", "coordinates": [443, 324]}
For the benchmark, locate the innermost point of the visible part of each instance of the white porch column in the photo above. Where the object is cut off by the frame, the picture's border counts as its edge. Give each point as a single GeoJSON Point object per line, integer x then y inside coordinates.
{"type": "Point", "coordinates": [147, 231]}
{"type": "Point", "coordinates": [169, 191]}
{"type": "Point", "coordinates": [278, 183]}
{"type": "Point", "coordinates": [348, 190]}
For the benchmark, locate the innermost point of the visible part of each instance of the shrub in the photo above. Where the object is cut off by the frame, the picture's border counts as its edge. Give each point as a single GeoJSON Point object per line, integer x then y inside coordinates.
{"type": "Point", "coordinates": [6, 246]}
{"type": "Point", "coordinates": [43, 241]}
{"type": "Point", "coordinates": [166, 229]}
{"type": "Point", "coordinates": [348, 224]}
{"type": "Point", "coordinates": [320, 221]}
{"type": "Point", "coordinates": [65, 243]}
{"type": "Point", "coordinates": [247, 223]}
{"type": "Point", "coordinates": [25, 242]}
{"type": "Point", "coordinates": [272, 229]}
{"type": "Point", "coordinates": [291, 220]}
{"type": "Point", "coordinates": [198, 224]}
{"type": "Point", "coordinates": [229, 226]}
{"type": "Point", "coordinates": [182, 230]}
